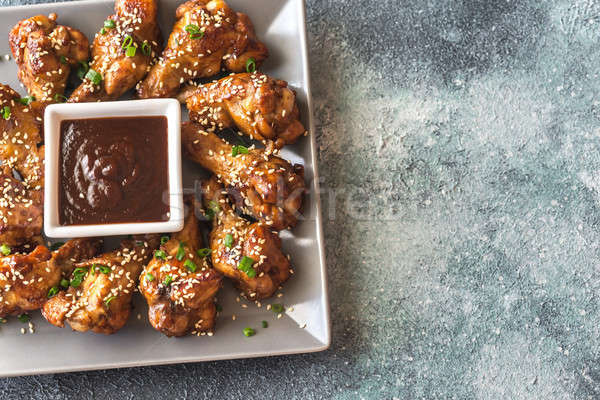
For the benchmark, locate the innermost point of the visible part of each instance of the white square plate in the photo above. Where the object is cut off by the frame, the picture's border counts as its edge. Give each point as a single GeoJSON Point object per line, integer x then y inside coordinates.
{"type": "Point", "coordinates": [303, 328]}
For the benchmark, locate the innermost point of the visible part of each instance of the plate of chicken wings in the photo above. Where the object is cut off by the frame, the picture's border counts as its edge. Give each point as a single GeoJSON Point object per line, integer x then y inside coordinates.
{"type": "Point", "coordinates": [245, 277]}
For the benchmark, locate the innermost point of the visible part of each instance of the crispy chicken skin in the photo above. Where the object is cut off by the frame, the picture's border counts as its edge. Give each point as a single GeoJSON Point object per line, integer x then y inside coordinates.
{"type": "Point", "coordinates": [180, 285]}
{"type": "Point", "coordinates": [20, 153]}
{"type": "Point", "coordinates": [102, 301]}
{"type": "Point", "coordinates": [227, 42]}
{"type": "Point", "coordinates": [26, 279]}
{"type": "Point", "coordinates": [45, 53]}
{"type": "Point", "coordinates": [232, 238]}
{"type": "Point", "coordinates": [261, 107]}
{"type": "Point", "coordinates": [263, 185]}
{"type": "Point", "coordinates": [120, 73]}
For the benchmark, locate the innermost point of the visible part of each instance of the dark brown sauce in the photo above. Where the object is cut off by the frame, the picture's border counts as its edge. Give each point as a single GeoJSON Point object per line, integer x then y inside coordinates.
{"type": "Point", "coordinates": [113, 170]}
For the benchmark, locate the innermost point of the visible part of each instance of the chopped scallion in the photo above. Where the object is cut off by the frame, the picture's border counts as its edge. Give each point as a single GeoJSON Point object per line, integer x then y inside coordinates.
{"type": "Point", "coordinates": [250, 65]}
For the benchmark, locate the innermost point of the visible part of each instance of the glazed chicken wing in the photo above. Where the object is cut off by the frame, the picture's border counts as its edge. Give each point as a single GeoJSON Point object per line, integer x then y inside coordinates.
{"type": "Point", "coordinates": [99, 296]}
{"type": "Point", "coordinates": [180, 285]}
{"type": "Point", "coordinates": [263, 185]}
{"type": "Point", "coordinates": [207, 37]}
{"type": "Point", "coordinates": [261, 107]}
{"type": "Point", "coordinates": [22, 157]}
{"type": "Point", "coordinates": [248, 253]}
{"type": "Point", "coordinates": [122, 52]}
{"type": "Point", "coordinates": [45, 53]}
{"type": "Point", "coordinates": [27, 280]}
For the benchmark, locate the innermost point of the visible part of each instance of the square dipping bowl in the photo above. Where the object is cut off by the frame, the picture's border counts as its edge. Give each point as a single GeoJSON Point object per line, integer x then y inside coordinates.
{"type": "Point", "coordinates": [56, 113]}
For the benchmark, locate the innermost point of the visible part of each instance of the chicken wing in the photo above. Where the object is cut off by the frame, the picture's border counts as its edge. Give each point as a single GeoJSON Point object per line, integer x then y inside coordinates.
{"type": "Point", "coordinates": [27, 280]}
{"type": "Point", "coordinates": [207, 37]}
{"type": "Point", "coordinates": [264, 186]}
{"type": "Point", "coordinates": [180, 285]}
{"type": "Point", "coordinates": [248, 253]}
{"type": "Point", "coordinates": [20, 199]}
{"type": "Point", "coordinates": [261, 107]}
{"type": "Point", "coordinates": [45, 53]}
{"type": "Point", "coordinates": [99, 296]}
{"type": "Point", "coordinates": [122, 52]}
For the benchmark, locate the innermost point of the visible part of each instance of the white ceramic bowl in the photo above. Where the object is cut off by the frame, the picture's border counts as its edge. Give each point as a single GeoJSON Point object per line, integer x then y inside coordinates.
{"type": "Point", "coordinates": [53, 116]}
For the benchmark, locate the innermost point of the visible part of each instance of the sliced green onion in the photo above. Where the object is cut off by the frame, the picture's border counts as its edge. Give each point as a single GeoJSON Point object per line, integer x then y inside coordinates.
{"type": "Point", "coordinates": [203, 252]}
{"type": "Point", "coordinates": [93, 76]}
{"type": "Point", "coordinates": [168, 280]}
{"type": "Point", "coordinates": [180, 252]}
{"type": "Point", "coordinates": [127, 42]}
{"type": "Point", "coordinates": [149, 277]}
{"type": "Point", "coordinates": [190, 265]}
{"type": "Point", "coordinates": [251, 272]}
{"type": "Point", "coordinates": [107, 301]}
{"type": "Point", "coordinates": [24, 318]}
{"type": "Point", "coordinates": [26, 100]}
{"type": "Point", "coordinates": [245, 264]}
{"type": "Point", "coordinates": [277, 308]}
{"type": "Point", "coordinates": [214, 206]}
{"type": "Point", "coordinates": [56, 246]}
{"type": "Point", "coordinates": [160, 254]}
{"type": "Point", "coordinates": [109, 23]}
{"type": "Point", "coordinates": [103, 268]}
{"type": "Point", "coordinates": [5, 249]}
{"type": "Point", "coordinates": [64, 283]}
{"type": "Point", "coordinates": [75, 282]}
{"type": "Point", "coordinates": [164, 239]}
{"type": "Point", "coordinates": [228, 240]}
{"type": "Point", "coordinates": [194, 31]}
{"type": "Point", "coordinates": [146, 49]}
{"type": "Point", "coordinates": [63, 59]}
{"type": "Point", "coordinates": [82, 70]}
{"type": "Point", "coordinates": [238, 149]}
{"type": "Point", "coordinates": [130, 52]}
{"type": "Point", "coordinates": [103, 31]}
{"type": "Point", "coordinates": [250, 65]}
{"type": "Point", "coordinates": [59, 98]}
{"type": "Point", "coordinates": [79, 271]}
{"type": "Point", "coordinates": [53, 291]}
{"type": "Point", "coordinates": [265, 324]}
{"type": "Point", "coordinates": [249, 332]}
{"type": "Point", "coordinates": [6, 112]}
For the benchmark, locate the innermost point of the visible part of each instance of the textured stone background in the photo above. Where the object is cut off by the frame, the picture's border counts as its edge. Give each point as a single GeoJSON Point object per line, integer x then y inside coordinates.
{"type": "Point", "coordinates": [461, 139]}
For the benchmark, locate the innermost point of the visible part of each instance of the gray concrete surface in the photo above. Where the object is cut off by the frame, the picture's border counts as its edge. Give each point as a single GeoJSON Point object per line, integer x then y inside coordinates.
{"type": "Point", "coordinates": [461, 139]}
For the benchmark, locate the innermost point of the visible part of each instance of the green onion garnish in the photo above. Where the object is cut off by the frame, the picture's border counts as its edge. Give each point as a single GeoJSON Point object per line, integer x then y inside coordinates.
{"type": "Point", "coordinates": [160, 254]}
{"type": "Point", "coordinates": [228, 240]}
{"type": "Point", "coordinates": [75, 282]}
{"type": "Point", "coordinates": [238, 149]}
{"type": "Point", "coordinates": [245, 265]}
{"type": "Point", "coordinates": [5, 249]}
{"type": "Point", "coordinates": [277, 308]}
{"type": "Point", "coordinates": [24, 318]}
{"type": "Point", "coordinates": [64, 283]}
{"type": "Point", "coordinates": [109, 23]}
{"type": "Point", "coordinates": [168, 280]}
{"type": "Point", "coordinates": [103, 31]}
{"type": "Point", "coordinates": [130, 52]}
{"type": "Point", "coordinates": [189, 264]}
{"type": "Point", "coordinates": [6, 112]}
{"type": "Point", "coordinates": [53, 291]}
{"type": "Point", "coordinates": [107, 301]}
{"type": "Point", "coordinates": [82, 70]}
{"type": "Point", "coordinates": [127, 42]}
{"type": "Point", "coordinates": [164, 239]}
{"type": "Point", "coordinates": [214, 206]}
{"type": "Point", "coordinates": [26, 100]}
{"type": "Point", "coordinates": [93, 76]}
{"type": "Point", "coordinates": [194, 31]}
{"type": "Point", "coordinates": [249, 332]}
{"type": "Point", "coordinates": [103, 268]}
{"type": "Point", "coordinates": [203, 252]}
{"type": "Point", "coordinates": [149, 277]}
{"type": "Point", "coordinates": [56, 246]}
{"type": "Point", "coordinates": [79, 271]}
{"type": "Point", "coordinates": [250, 65]}
{"type": "Point", "coordinates": [59, 98]}
{"type": "Point", "coordinates": [63, 59]}
{"type": "Point", "coordinates": [265, 324]}
{"type": "Point", "coordinates": [146, 49]}
{"type": "Point", "coordinates": [180, 252]}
